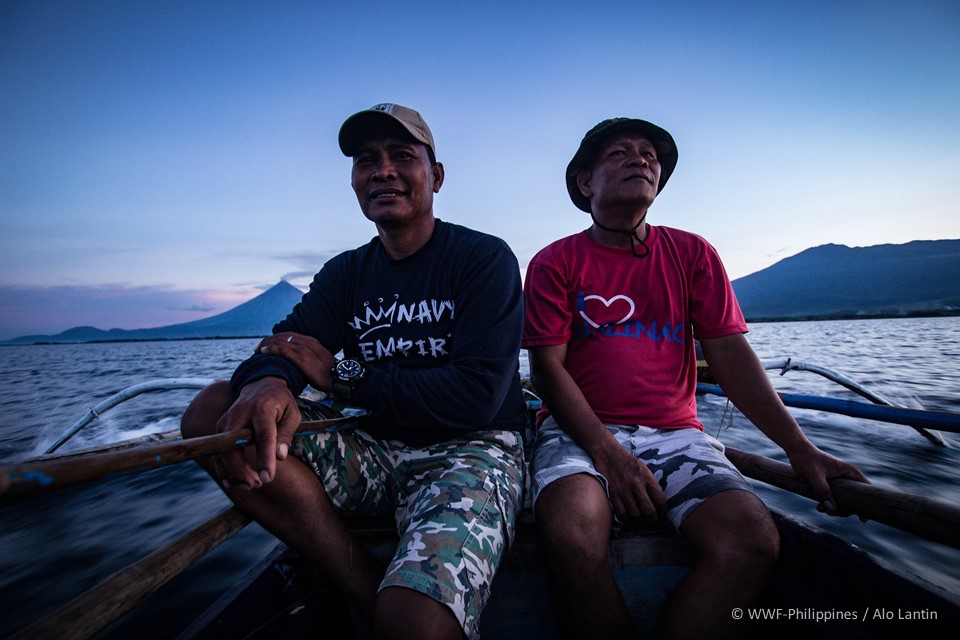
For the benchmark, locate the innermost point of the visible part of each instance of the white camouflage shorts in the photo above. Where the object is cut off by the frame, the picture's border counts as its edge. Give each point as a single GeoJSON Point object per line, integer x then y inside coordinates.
{"type": "Point", "coordinates": [688, 463]}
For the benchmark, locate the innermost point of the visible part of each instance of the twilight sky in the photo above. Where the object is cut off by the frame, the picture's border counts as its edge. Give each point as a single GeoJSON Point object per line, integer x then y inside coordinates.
{"type": "Point", "coordinates": [164, 161]}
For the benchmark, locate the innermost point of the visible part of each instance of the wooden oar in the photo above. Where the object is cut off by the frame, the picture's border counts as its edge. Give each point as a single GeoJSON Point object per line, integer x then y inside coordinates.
{"type": "Point", "coordinates": [161, 437]}
{"type": "Point", "coordinates": [30, 480]}
{"type": "Point", "coordinates": [925, 517]}
{"type": "Point", "coordinates": [126, 589]}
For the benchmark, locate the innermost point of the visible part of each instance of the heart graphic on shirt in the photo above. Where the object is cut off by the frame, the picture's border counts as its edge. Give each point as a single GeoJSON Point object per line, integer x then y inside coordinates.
{"type": "Point", "coordinates": [607, 304]}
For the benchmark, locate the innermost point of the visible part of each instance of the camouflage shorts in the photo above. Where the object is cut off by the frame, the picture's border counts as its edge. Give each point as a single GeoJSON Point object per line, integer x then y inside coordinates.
{"type": "Point", "coordinates": [454, 503]}
{"type": "Point", "coordinates": [688, 463]}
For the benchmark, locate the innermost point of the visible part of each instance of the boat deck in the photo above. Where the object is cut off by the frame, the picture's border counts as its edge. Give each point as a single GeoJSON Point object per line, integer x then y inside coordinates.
{"type": "Point", "coordinates": [294, 601]}
{"type": "Point", "coordinates": [822, 588]}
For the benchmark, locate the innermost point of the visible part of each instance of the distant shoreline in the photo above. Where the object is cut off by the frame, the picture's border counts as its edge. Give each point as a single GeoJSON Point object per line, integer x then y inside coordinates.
{"type": "Point", "coordinates": [114, 340]}
{"type": "Point", "coordinates": [858, 316]}
{"type": "Point", "coordinates": [944, 313]}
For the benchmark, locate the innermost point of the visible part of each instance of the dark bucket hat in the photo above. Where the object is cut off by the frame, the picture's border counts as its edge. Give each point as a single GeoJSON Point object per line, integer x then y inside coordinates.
{"type": "Point", "coordinates": [662, 141]}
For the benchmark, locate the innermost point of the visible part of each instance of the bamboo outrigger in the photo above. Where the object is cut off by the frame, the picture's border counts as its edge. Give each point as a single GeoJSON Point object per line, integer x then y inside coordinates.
{"type": "Point", "coordinates": [822, 586]}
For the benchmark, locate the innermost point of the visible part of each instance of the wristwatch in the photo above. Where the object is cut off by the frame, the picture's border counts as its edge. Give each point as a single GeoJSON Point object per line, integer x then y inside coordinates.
{"type": "Point", "coordinates": [347, 374]}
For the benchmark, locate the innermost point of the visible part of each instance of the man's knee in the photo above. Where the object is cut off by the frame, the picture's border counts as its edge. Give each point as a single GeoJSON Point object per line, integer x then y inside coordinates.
{"type": "Point", "coordinates": [736, 529]}
{"type": "Point", "coordinates": [405, 613]}
{"type": "Point", "coordinates": [758, 548]}
{"type": "Point", "coordinates": [201, 416]}
{"type": "Point", "coordinates": [574, 519]}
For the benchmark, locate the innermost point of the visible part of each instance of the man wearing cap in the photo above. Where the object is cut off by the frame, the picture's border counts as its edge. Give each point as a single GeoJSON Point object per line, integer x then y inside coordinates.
{"type": "Point", "coordinates": [428, 316]}
{"type": "Point", "coordinates": [611, 317]}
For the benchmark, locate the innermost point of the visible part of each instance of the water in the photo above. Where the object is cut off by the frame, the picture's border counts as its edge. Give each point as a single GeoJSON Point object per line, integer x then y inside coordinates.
{"type": "Point", "coordinates": [54, 548]}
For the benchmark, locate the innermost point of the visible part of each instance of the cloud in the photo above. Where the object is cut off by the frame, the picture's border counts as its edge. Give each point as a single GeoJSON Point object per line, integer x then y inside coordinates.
{"type": "Point", "coordinates": [310, 263]}
{"type": "Point", "coordinates": [199, 308]}
{"type": "Point", "coordinates": [295, 277]}
{"type": "Point", "coordinates": [309, 260]}
{"type": "Point", "coordinates": [32, 310]}
{"type": "Point", "coordinates": [777, 253]}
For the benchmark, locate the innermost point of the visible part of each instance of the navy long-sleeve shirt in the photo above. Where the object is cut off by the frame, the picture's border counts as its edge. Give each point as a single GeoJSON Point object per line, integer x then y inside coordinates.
{"type": "Point", "coordinates": [439, 332]}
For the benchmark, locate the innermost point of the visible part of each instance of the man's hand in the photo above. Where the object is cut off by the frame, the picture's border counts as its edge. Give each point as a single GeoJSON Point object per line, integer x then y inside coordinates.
{"type": "Point", "coordinates": [311, 357]}
{"type": "Point", "coordinates": [634, 492]}
{"type": "Point", "coordinates": [267, 406]}
{"type": "Point", "coordinates": [740, 374]}
{"type": "Point", "coordinates": [817, 468]}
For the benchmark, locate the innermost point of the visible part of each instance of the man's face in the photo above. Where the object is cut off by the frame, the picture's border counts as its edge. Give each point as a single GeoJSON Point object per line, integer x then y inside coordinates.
{"type": "Point", "coordinates": [394, 180]}
{"type": "Point", "coordinates": [625, 171]}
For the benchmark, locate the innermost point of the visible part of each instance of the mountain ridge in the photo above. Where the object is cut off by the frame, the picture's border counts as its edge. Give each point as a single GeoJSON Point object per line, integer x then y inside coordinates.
{"type": "Point", "coordinates": [833, 281]}
{"type": "Point", "coordinates": [253, 318]}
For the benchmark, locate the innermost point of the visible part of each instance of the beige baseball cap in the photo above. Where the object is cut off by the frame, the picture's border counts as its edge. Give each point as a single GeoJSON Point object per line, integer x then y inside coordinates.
{"type": "Point", "coordinates": [356, 126]}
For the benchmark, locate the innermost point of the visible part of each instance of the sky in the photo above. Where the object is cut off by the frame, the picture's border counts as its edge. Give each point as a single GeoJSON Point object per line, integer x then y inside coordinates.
{"type": "Point", "coordinates": [161, 162]}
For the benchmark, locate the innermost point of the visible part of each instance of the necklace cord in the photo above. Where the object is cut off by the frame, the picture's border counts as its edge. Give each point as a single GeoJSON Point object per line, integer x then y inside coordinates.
{"type": "Point", "coordinates": [634, 237]}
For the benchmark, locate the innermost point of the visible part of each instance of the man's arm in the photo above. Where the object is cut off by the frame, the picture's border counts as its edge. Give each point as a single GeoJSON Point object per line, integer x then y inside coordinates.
{"type": "Point", "coordinates": [266, 384]}
{"type": "Point", "coordinates": [634, 492]}
{"type": "Point", "coordinates": [742, 378]}
{"type": "Point", "coordinates": [313, 361]}
{"type": "Point", "coordinates": [315, 331]}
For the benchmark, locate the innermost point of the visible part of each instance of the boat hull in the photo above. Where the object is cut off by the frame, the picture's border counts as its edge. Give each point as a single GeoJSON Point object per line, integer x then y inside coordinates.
{"type": "Point", "coordinates": [822, 588]}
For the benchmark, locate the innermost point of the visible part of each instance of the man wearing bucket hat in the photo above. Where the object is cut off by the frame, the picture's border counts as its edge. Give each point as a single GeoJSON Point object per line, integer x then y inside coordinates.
{"type": "Point", "coordinates": [611, 317]}
{"type": "Point", "coordinates": [428, 316]}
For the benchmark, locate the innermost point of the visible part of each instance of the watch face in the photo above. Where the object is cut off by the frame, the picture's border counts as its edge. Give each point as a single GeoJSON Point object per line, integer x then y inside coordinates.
{"type": "Point", "coordinates": [348, 370]}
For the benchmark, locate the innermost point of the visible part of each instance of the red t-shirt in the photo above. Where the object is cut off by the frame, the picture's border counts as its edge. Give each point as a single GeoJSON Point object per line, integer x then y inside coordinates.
{"type": "Point", "coordinates": [629, 322]}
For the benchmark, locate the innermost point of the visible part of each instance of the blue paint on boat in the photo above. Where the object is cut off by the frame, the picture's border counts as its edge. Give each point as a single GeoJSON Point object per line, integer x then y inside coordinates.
{"type": "Point", "coordinates": [37, 477]}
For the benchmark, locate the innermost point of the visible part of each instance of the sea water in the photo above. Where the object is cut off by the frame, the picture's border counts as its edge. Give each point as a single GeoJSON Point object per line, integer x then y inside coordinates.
{"type": "Point", "coordinates": [54, 548]}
